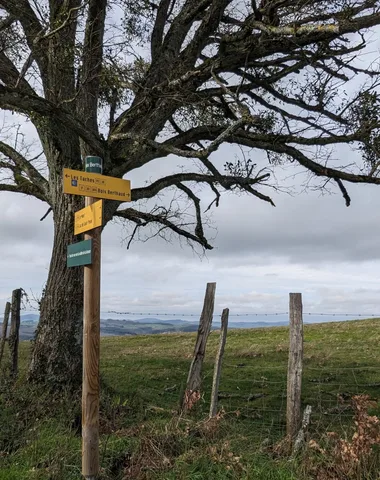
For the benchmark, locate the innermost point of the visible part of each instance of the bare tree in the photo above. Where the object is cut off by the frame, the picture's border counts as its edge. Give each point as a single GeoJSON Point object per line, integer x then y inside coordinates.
{"type": "Point", "coordinates": [178, 77]}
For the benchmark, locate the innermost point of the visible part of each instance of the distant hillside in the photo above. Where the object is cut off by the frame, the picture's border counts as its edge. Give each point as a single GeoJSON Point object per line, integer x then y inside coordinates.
{"type": "Point", "coordinates": [144, 326]}
{"type": "Point", "coordinates": [141, 326]}
{"type": "Point", "coordinates": [150, 320]}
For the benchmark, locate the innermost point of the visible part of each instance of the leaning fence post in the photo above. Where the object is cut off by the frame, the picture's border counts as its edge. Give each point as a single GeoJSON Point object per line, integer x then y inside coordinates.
{"type": "Point", "coordinates": [218, 363]}
{"type": "Point", "coordinates": [293, 407]}
{"type": "Point", "coordinates": [14, 332]}
{"type": "Point", "coordinates": [193, 385]}
{"type": "Point", "coordinates": [4, 329]}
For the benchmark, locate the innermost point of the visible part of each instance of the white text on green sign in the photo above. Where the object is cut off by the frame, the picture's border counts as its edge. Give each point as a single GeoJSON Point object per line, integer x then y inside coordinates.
{"type": "Point", "coordinates": [79, 253]}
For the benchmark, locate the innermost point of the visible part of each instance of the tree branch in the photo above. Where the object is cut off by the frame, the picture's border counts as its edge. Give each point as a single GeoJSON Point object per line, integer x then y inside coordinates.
{"type": "Point", "coordinates": [25, 187]}
{"type": "Point", "coordinates": [25, 166]}
{"type": "Point", "coordinates": [293, 101]}
{"type": "Point", "coordinates": [46, 214]}
{"type": "Point", "coordinates": [181, 25]}
{"type": "Point", "coordinates": [225, 181]}
{"type": "Point", "coordinates": [208, 132]}
{"type": "Point", "coordinates": [249, 48]}
{"type": "Point", "coordinates": [343, 189]}
{"type": "Point", "coordinates": [23, 12]}
{"type": "Point", "coordinates": [92, 64]}
{"type": "Point", "coordinates": [199, 226]}
{"type": "Point", "coordinates": [208, 25]}
{"type": "Point", "coordinates": [144, 219]}
{"type": "Point", "coordinates": [316, 168]}
{"type": "Point", "coordinates": [12, 99]}
{"type": "Point", "coordinates": [12, 77]}
{"type": "Point", "coordinates": [158, 29]}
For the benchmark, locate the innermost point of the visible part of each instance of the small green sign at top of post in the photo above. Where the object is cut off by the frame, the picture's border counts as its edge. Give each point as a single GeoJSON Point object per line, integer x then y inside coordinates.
{"type": "Point", "coordinates": [93, 164]}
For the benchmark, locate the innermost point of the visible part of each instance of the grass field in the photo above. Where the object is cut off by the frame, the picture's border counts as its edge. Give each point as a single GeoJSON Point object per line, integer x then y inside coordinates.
{"type": "Point", "coordinates": [142, 435]}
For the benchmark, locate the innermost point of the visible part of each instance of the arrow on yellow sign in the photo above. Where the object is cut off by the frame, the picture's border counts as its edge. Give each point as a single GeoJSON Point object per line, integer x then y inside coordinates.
{"type": "Point", "coordinates": [96, 185]}
{"type": "Point", "coordinates": [89, 218]}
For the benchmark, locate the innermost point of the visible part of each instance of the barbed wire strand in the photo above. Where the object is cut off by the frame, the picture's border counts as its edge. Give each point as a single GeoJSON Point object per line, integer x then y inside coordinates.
{"type": "Point", "coordinates": [166, 314]}
{"type": "Point", "coordinates": [248, 314]}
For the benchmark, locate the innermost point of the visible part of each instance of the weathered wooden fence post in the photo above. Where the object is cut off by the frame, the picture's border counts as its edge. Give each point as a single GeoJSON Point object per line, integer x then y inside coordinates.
{"type": "Point", "coordinates": [218, 363]}
{"type": "Point", "coordinates": [4, 329]}
{"type": "Point", "coordinates": [13, 339]}
{"type": "Point", "coordinates": [293, 407]}
{"type": "Point", "coordinates": [194, 380]}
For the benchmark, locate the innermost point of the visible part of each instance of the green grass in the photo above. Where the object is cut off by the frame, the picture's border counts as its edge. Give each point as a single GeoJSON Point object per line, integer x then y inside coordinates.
{"type": "Point", "coordinates": [143, 377]}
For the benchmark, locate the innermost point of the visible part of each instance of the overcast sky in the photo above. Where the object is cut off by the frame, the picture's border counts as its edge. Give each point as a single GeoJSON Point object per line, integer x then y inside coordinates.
{"type": "Point", "coordinates": [309, 243]}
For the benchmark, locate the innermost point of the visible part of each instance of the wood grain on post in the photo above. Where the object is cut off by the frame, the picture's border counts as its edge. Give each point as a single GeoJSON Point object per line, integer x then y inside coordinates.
{"type": "Point", "coordinates": [13, 340]}
{"type": "Point", "coordinates": [91, 356]}
{"type": "Point", "coordinates": [194, 379]}
{"type": "Point", "coordinates": [4, 329]}
{"type": "Point", "coordinates": [293, 407]}
{"type": "Point", "coordinates": [218, 363]}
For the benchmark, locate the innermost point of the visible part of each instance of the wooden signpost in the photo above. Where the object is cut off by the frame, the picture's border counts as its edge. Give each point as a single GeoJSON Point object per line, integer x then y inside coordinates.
{"type": "Point", "coordinates": [93, 185]}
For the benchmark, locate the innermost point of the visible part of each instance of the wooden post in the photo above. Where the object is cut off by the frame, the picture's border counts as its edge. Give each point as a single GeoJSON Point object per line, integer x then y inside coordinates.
{"type": "Point", "coordinates": [5, 328]}
{"type": "Point", "coordinates": [293, 407]}
{"type": "Point", "coordinates": [13, 340]}
{"type": "Point", "coordinates": [91, 346]}
{"type": "Point", "coordinates": [193, 385]}
{"type": "Point", "coordinates": [218, 363]}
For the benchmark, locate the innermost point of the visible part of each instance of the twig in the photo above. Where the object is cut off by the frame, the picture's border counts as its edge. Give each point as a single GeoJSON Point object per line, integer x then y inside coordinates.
{"type": "Point", "coordinates": [46, 214]}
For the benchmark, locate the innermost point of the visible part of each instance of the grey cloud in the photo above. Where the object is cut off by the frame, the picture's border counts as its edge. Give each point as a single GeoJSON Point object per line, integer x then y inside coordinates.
{"type": "Point", "coordinates": [253, 301]}
{"type": "Point", "coordinates": [20, 221]}
{"type": "Point", "coordinates": [354, 300]}
{"type": "Point", "coordinates": [306, 229]}
{"type": "Point", "coordinates": [261, 253]}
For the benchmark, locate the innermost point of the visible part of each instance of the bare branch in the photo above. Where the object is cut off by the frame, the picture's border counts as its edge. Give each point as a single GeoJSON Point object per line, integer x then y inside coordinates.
{"type": "Point", "coordinates": [23, 12]}
{"type": "Point", "coordinates": [68, 16]}
{"type": "Point", "coordinates": [25, 187]}
{"type": "Point", "coordinates": [226, 181]}
{"type": "Point", "coordinates": [24, 166]}
{"type": "Point", "coordinates": [343, 189]}
{"type": "Point", "coordinates": [11, 76]}
{"type": "Point", "coordinates": [318, 169]}
{"type": "Point", "coordinates": [92, 64]}
{"type": "Point", "coordinates": [24, 69]}
{"type": "Point", "coordinates": [46, 214]}
{"type": "Point", "coordinates": [12, 99]}
{"type": "Point", "coordinates": [144, 218]}
{"type": "Point", "coordinates": [159, 26]}
{"type": "Point", "coordinates": [199, 225]}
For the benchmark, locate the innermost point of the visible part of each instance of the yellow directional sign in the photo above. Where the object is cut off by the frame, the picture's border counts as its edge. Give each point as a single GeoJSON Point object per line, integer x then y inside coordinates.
{"type": "Point", "coordinates": [96, 185]}
{"type": "Point", "coordinates": [89, 218]}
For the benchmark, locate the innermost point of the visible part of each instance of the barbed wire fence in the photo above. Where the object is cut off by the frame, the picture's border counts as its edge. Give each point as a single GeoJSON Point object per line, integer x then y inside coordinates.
{"type": "Point", "coordinates": [254, 395]}
{"type": "Point", "coordinates": [245, 314]}
{"type": "Point", "coordinates": [253, 385]}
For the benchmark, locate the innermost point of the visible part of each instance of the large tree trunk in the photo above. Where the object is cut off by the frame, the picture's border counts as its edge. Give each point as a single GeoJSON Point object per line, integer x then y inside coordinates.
{"type": "Point", "coordinates": [57, 349]}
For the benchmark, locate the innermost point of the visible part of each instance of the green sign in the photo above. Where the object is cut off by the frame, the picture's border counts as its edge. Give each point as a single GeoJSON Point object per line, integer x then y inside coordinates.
{"type": "Point", "coordinates": [79, 253]}
{"type": "Point", "coordinates": [93, 164]}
